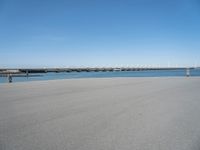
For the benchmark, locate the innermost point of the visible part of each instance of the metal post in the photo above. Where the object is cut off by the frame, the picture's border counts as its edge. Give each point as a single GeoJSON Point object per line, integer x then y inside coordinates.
{"type": "Point", "coordinates": [27, 73]}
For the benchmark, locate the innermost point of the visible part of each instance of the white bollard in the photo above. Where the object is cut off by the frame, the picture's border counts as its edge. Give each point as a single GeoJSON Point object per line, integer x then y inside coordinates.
{"type": "Point", "coordinates": [187, 72]}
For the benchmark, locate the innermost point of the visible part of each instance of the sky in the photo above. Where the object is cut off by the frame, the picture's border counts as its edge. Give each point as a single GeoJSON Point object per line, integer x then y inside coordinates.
{"type": "Point", "coordinates": [99, 33]}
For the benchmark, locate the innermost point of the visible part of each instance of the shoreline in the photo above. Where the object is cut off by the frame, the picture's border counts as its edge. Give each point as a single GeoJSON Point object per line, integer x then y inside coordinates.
{"type": "Point", "coordinates": [83, 78]}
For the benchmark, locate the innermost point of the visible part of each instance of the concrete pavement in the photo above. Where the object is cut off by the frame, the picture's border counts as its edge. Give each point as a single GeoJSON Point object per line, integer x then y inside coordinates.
{"type": "Point", "coordinates": [101, 114]}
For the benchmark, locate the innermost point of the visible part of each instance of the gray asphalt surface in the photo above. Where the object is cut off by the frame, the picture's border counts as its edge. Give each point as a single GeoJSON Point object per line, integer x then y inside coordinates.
{"type": "Point", "coordinates": [101, 114]}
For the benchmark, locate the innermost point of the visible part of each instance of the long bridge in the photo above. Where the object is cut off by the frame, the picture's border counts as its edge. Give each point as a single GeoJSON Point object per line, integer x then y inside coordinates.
{"type": "Point", "coordinates": [22, 72]}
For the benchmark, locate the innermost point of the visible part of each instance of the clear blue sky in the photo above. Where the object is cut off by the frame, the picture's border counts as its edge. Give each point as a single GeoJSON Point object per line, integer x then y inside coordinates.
{"type": "Point", "coordinates": [73, 33]}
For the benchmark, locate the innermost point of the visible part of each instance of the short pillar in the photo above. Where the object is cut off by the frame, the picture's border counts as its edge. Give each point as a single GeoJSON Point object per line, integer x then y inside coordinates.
{"type": "Point", "coordinates": [9, 78]}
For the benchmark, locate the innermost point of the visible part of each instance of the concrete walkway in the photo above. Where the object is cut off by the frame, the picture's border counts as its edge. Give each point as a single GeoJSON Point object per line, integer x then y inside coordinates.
{"type": "Point", "coordinates": [101, 114]}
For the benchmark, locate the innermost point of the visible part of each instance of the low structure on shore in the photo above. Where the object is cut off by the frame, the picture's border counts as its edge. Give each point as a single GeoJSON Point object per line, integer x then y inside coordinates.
{"type": "Point", "coordinates": [57, 70]}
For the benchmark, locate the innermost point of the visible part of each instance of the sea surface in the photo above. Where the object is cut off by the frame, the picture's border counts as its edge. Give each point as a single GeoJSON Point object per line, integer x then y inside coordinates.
{"type": "Point", "coordinates": [71, 75]}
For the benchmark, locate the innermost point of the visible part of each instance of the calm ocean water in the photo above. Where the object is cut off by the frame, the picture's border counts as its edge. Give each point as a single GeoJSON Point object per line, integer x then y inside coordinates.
{"type": "Point", "coordinates": [65, 75]}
